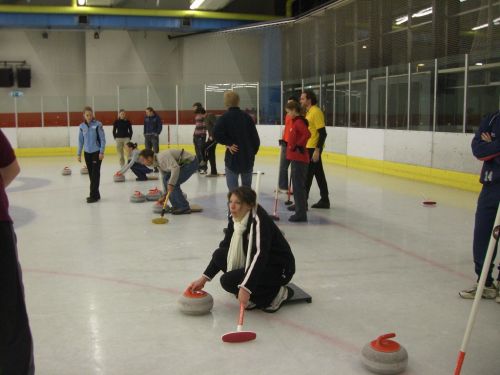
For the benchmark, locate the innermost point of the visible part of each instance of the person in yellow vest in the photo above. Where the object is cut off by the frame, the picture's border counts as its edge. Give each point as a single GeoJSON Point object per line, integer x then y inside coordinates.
{"type": "Point", "coordinates": [314, 146]}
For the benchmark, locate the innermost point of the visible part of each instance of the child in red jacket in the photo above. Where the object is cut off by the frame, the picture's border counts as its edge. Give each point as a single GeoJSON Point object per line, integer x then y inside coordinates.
{"type": "Point", "coordinates": [297, 153]}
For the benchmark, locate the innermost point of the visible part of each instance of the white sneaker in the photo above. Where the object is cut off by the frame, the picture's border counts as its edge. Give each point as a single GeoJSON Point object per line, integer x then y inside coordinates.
{"type": "Point", "coordinates": [251, 306]}
{"type": "Point", "coordinates": [283, 295]}
{"type": "Point", "coordinates": [489, 292]}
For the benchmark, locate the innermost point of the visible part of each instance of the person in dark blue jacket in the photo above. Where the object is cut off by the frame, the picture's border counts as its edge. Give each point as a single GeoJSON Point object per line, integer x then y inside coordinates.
{"type": "Point", "coordinates": [486, 147]}
{"type": "Point", "coordinates": [92, 141]}
{"type": "Point", "coordinates": [152, 130]}
{"type": "Point", "coordinates": [237, 131]}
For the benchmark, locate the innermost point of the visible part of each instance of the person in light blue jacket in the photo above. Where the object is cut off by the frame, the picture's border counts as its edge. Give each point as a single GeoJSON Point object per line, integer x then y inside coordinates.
{"type": "Point", "coordinates": [92, 141]}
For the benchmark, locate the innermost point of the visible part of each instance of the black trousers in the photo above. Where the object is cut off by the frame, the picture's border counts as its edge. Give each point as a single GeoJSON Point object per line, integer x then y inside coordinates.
{"type": "Point", "coordinates": [94, 167]}
{"type": "Point", "coordinates": [199, 146]}
{"type": "Point", "coordinates": [270, 281]}
{"type": "Point", "coordinates": [316, 170]}
{"type": "Point", "coordinates": [16, 344]}
{"type": "Point", "coordinates": [210, 151]}
{"type": "Point", "coordinates": [299, 175]}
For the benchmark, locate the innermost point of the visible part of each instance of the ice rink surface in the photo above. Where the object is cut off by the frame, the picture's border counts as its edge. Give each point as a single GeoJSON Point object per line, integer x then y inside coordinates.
{"type": "Point", "coordinates": [102, 281]}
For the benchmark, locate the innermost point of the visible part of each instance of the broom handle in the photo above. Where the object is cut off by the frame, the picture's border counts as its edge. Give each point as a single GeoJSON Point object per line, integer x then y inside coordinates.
{"type": "Point", "coordinates": [479, 293]}
{"type": "Point", "coordinates": [250, 240]}
{"type": "Point", "coordinates": [276, 200]}
{"type": "Point", "coordinates": [239, 327]}
{"type": "Point", "coordinates": [165, 203]}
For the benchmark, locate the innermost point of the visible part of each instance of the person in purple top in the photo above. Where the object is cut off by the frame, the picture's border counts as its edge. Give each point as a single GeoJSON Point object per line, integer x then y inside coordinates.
{"type": "Point", "coordinates": [16, 343]}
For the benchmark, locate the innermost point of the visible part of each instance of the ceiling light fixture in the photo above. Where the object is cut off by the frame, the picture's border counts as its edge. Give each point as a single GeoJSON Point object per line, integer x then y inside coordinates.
{"type": "Point", "coordinates": [196, 4]}
{"type": "Point", "coordinates": [81, 3]}
{"type": "Point", "coordinates": [480, 27]}
{"type": "Point", "coordinates": [422, 13]}
{"type": "Point", "coordinates": [401, 20]}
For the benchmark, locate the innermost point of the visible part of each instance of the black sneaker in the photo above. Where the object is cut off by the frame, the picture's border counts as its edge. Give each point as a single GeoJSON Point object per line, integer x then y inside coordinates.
{"type": "Point", "coordinates": [321, 204]}
{"type": "Point", "coordinates": [92, 200]}
{"type": "Point", "coordinates": [178, 211]}
{"type": "Point", "coordinates": [296, 219]}
{"type": "Point", "coordinates": [285, 293]}
{"type": "Point", "coordinates": [141, 179]}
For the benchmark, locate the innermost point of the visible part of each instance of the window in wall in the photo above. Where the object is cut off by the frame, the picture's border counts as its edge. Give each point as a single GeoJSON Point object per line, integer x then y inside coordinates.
{"type": "Point", "coordinates": [358, 99]}
{"type": "Point", "coordinates": [327, 98]}
{"type": "Point", "coordinates": [422, 43]}
{"type": "Point", "coordinates": [422, 95]}
{"type": "Point", "coordinates": [395, 46]}
{"type": "Point", "coordinates": [291, 88]}
{"type": "Point", "coordinates": [495, 28]}
{"type": "Point", "coordinates": [483, 94]}
{"type": "Point", "coordinates": [363, 52]}
{"type": "Point", "coordinates": [377, 86]}
{"type": "Point", "coordinates": [270, 103]}
{"type": "Point", "coordinates": [341, 99]}
{"type": "Point", "coordinates": [420, 12]}
{"type": "Point", "coordinates": [345, 24]}
{"type": "Point", "coordinates": [398, 97]}
{"type": "Point", "coordinates": [450, 94]}
{"type": "Point", "coordinates": [395, 14]}
{"type": "Point", "coordinates": [458, 6]}
{"type": "Point", "coordinates": [468, 32]}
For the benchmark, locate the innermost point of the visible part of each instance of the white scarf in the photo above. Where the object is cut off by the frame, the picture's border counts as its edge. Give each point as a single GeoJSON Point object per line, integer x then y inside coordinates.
{"type": "Point", "coordinates": [236, 255]}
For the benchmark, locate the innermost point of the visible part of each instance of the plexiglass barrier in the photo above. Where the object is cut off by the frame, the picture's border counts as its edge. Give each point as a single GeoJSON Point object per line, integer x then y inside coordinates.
{"type": "Point", "coordinates": [451, 94]}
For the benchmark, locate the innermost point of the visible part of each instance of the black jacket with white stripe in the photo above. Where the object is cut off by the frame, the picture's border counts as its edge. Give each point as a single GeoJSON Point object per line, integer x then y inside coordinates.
{"type": "Point", "coordinates": [270, 249]}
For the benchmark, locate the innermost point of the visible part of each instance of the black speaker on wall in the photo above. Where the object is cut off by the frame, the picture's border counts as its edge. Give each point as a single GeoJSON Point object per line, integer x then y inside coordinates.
{"type": "Point", "coordinates": [6, 76]}
{"type": "Point", "coordinates": [23, 77]}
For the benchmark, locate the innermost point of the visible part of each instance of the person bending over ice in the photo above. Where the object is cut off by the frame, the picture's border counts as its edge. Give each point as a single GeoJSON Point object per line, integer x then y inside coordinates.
{"type": "Point", "coordinates": [176, 166]}
{"type": "Point", "coordinates": [141, 171]}
{"type": "Point", "coordinates": [271, 265]}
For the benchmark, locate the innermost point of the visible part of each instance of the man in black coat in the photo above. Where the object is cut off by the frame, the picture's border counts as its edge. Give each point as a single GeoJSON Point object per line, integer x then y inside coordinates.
{"type": "Point", "coordinates": [237, 131]}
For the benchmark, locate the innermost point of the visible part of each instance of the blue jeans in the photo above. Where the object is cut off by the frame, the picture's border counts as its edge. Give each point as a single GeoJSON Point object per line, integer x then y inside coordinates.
{"type": "Point", "coordinates": [177, 199]}
{"type": "Point", "coordinates": [232, 179]}
{"type": "Point", "coordinates": [487, 205]}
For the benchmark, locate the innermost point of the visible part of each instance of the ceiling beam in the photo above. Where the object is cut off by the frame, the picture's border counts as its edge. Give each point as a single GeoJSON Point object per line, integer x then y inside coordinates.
{"type": "Point", "coordinates": [104, 11]}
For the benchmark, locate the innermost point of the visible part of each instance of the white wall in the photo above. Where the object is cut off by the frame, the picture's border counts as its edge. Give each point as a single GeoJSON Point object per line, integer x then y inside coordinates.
{"type": "Point", "coordinates": [73, 63]}
{"type": "Point", "coordinates": [57, 63]}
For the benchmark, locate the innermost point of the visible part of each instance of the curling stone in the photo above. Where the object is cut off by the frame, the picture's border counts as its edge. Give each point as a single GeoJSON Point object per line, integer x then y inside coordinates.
{"type": "Point", "coordinates": [84, 170]}
{"type": "Point", "coordinates": [384, 356]}
{"type": "Point", "coordinates": [154, 194]}
{"type": "Point", "coordinates": [138, 197]}
{"type": "Point", "coordinates": [66, 171]}
{"type": "Point", "coordinates": [195, 303]}
{"type": "Point", "coordinates": [118, 177]}
{"type": "Point", "coordinates": [158, 207]}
